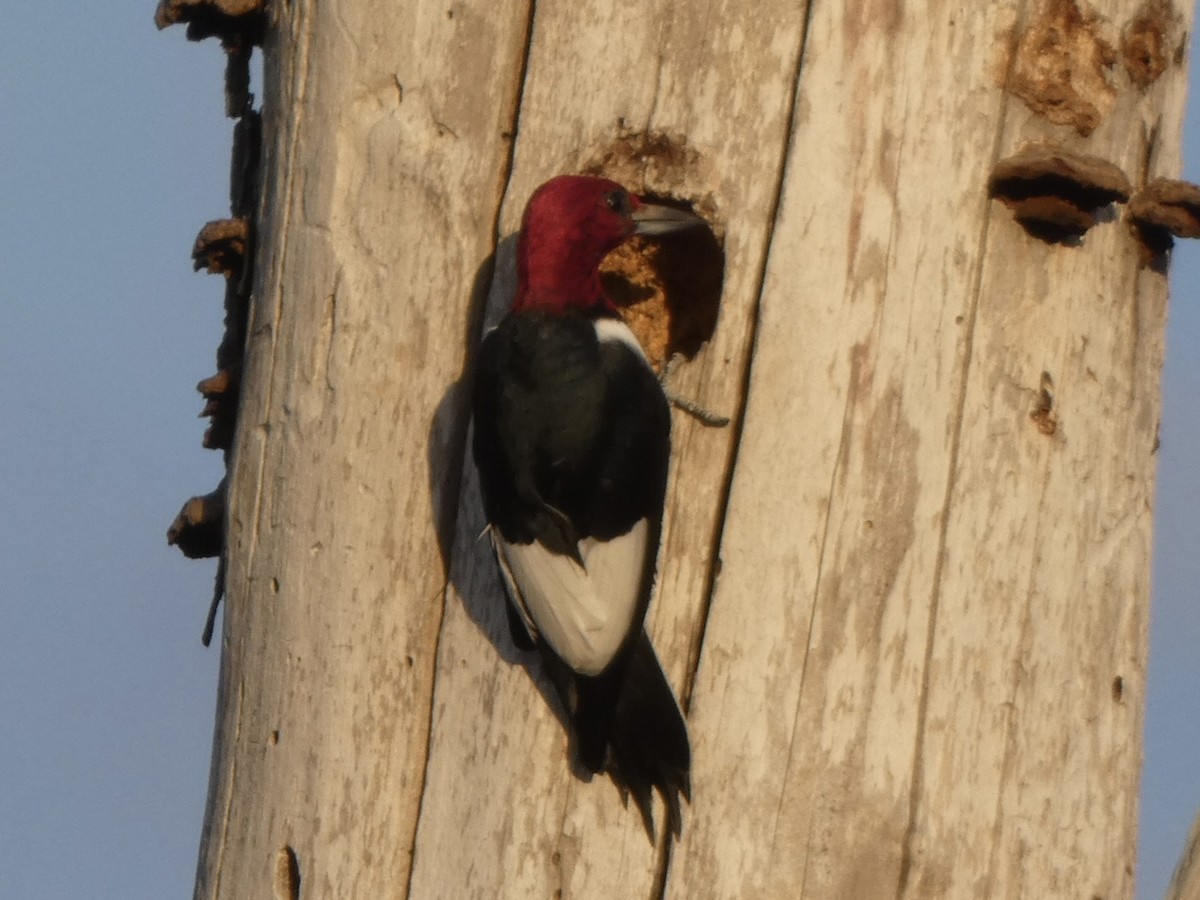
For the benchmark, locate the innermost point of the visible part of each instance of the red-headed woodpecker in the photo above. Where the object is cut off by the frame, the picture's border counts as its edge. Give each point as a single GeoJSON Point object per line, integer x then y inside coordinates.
{"type": "Point", "coordinates": [572, 438]}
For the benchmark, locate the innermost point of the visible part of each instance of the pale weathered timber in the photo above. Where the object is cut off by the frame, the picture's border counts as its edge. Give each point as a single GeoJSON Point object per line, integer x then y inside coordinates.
{"type": "Point", "coordinates": [1037, 657]}
{"type": "Point", "coordinates": [385, 162]}
{"type": "Point", "coordinates": [916, 668]}
{"type": "Point", "coordinates": [939, 690]}
{"type": "Point", "coordinates": [500, 773]}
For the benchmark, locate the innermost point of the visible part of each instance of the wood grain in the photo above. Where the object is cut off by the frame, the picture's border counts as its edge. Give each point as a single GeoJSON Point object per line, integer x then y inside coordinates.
{"type": "Point", "coordinates": [904, 595]}
{"type": "Point", "coordinates": [386, 166]}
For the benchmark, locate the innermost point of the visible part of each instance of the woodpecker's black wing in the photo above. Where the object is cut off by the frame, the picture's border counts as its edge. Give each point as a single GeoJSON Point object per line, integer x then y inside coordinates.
{"type": "Point", "coordinates": [572, 440]}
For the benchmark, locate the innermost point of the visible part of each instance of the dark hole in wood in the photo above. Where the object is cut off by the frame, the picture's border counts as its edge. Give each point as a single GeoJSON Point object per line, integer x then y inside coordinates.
{"type": "Point", "coordinates": [669, 287]}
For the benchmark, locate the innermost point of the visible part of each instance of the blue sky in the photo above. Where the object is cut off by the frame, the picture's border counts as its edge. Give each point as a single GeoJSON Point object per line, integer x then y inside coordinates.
{"type": "Point", "coordinates": [114, 150]}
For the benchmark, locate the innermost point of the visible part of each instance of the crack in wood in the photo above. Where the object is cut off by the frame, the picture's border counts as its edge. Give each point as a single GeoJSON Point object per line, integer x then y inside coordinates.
{"type": "Point", "coordinates": [917, 777]}
{"type": "Point", "coordinates": [739, 416]}
{"type": "Point", "coordinates": [455, 478]}
{"type": "Point", "coordinates": [227, 812]}
{"type": "Point", "coordinates": [743, 393]}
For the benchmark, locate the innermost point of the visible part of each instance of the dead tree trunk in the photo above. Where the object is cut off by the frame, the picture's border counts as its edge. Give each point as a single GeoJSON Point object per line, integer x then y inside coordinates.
{"type": "Point", "coordinates": [904, 595]}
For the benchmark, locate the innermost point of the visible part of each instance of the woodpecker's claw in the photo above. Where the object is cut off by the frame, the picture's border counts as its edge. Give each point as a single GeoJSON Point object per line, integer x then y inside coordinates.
{"type": "Point", "coordinates": [701, 414]}
{"type": "Point", "coordinates": [698, 412]}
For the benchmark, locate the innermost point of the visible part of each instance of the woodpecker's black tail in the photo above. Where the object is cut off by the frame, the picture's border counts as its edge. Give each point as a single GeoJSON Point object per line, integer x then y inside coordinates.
{"type": "Point", "coordinates": [633, 715]}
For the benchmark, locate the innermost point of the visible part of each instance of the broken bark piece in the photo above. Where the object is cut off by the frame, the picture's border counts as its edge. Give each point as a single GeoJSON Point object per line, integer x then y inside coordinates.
{"type": "Point", "coordinates": [219, 435]}
{"type": "Point", "coordinates": [199, 529]}
{"type": "Point", "coordinates": [1162, 211]}
{"type": "Point", "coordinates": [1172, 206]}
{"type": "Point", "coordinates": [221, 246]}
{"type": "Point", "coordinates": [214, 386]}
{"type": "Point", "coordinates": [1056, 193]}
{"type": "Point", "coordinates": [233, 21]}
{"type": "Point", "coordinates": [222, 389]}
{"type": "Point", "coordinates": [1043, 414]}
{"type": "Point", "coordinates": [226, 247]}
{"type": "Point", "coordinates": [220, 395]}
{"type": "Point", "coordinates": [1040, 169]}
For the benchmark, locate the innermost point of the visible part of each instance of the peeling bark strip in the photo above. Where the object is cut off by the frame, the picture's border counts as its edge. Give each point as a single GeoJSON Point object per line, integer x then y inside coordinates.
{"type": "Point", "coordinates": [225, 247]}
{"type": "Point", "coordinates": [239, 24]}
{"type": "Point", "coordinates": [901, 592]}
{"type": "Point", "coordinates": [369, 254]}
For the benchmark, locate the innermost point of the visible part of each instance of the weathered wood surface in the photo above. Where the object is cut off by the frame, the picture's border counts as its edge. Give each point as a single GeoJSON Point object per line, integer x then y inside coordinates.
{"type": "Point", "coordinates": [1185, 884]}
{"type": "Point", "coordinates": [918, 668]}
{"type": "Point", "coordinates": [491, 727]}
{"type": "Point", "coordinates": [923, 695]}
{"type": "Point", "coordinates": [386, 167]}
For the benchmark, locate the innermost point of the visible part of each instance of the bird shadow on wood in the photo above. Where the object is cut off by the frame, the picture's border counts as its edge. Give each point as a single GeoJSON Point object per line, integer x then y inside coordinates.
{"type": "Point", "coordinates": [467, 558]}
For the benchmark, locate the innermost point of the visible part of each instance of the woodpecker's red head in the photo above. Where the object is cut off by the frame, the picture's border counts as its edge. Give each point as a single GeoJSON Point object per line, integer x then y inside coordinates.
{"type": "Point", "coordinates": [570, 225]}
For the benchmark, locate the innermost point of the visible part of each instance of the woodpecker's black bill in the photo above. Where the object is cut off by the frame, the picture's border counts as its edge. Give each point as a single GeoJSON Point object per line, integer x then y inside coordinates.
{"type": "Point", "coordinates": [650, 218]}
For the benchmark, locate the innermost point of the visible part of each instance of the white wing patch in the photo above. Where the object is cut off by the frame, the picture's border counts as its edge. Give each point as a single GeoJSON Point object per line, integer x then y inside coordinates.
{"type": "Point", "coordinates": [616, 330]}
{"type": "Point", "coordinates": [583, 612]}
{"type": "Point", "coordinates": [510, 585]}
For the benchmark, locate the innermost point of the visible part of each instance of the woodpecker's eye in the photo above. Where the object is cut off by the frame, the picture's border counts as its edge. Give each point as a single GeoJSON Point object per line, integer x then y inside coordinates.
{"type": "Point", "coordinates": [618, 202]}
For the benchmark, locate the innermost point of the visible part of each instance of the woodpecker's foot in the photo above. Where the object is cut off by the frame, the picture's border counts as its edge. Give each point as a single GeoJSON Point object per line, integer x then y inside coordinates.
{"type": "Point", "coordinates": [696, 411]}
{"type": "Point", "coordinates": [700, 413]}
